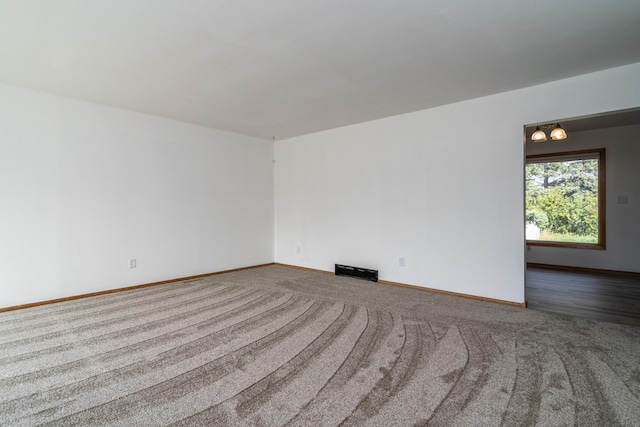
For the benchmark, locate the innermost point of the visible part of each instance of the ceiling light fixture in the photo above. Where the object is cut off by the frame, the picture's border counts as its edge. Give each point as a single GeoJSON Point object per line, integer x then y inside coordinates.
{"type": "Point", "coordinates": [557, 134]}
{"type": "Point", "coordinates": [538, 135]}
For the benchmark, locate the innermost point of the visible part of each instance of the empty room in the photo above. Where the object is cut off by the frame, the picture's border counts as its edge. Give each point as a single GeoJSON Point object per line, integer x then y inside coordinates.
{"type": "Point", "coordinates": [319, 213]}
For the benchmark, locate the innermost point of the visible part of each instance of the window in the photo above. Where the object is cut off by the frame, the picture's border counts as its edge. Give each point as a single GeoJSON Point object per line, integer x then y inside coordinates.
{"type": "Point", "coordinates": [565, 203]}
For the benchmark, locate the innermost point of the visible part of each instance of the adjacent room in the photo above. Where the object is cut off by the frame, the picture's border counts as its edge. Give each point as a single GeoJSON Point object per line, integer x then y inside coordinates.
{"type": "Point", "coordinates": [582, 233]}
{"type": "Point", "coordinates": [179, 181]}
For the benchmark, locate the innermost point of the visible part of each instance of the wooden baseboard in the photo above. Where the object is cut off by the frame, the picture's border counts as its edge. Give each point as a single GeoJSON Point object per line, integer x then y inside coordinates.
{"type": "Point", "coordinates": [584, 270]}
{"type": "Point", "coordinates": [420, 288]}
{"type": "Point", "coordinates": [297, 267]}
{"type": "Point", "coordinates": [127, 288]}
{"type": "Point", "coordinates": [455, 294]}
{"type": "Point", "coordinates": [180, 279]}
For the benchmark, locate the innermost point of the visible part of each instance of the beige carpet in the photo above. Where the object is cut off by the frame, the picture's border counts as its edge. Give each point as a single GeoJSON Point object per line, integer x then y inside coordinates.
{"type": "Point", "coordinates": [280, 346]}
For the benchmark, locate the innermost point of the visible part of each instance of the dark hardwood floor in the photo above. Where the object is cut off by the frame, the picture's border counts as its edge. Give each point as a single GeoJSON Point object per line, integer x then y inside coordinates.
{"type": "Point", "coordinates": [596, 296]}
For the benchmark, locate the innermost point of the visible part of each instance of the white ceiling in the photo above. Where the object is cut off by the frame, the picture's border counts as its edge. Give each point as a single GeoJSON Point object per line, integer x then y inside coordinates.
{"type": "Point", "coordinates": [289, 67]}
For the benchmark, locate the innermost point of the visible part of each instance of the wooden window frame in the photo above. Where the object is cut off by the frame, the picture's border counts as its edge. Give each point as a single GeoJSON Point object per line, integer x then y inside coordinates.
{"type": "Point", "coordinates": [602, 220]}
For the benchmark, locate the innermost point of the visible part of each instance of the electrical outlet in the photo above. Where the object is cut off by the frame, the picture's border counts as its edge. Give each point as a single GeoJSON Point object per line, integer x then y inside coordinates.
{"type": "Point", "coordinates": [298, 250]}
{"type": "Point", "coordinates": [622, 200]}
{"type": "Point", "coordinates": [401, 261]}
{"type": "Point", "coordinates": [132, 263]}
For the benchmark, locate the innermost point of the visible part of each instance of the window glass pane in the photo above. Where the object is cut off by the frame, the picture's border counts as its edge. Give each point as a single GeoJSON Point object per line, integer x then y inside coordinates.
{"type": "Point", "coordinates": [562, 200]}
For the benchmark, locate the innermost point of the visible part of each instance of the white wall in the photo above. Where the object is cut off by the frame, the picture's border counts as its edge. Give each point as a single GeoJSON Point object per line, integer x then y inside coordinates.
{"type": "Point", "coordinates": [442, 188]}
{"type": "Point", "coordinates": [622, 155]}
{"type": "Point", "coordinates": [84, 187]}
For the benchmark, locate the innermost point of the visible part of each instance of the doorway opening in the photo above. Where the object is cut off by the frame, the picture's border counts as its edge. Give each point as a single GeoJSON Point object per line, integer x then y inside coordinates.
{"type": "Point", "coordinates": [582, 201]}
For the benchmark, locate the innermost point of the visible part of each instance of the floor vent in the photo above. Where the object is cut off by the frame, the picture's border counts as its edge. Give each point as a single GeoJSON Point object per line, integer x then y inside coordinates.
{"type": "Point", "coordinates": [357, 272]}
